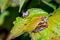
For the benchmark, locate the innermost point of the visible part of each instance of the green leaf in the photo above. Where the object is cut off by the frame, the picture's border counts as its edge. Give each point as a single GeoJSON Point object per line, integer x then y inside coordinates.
{"type": "Point", "coordinates": [19, 27]}
{"type": "Point", "coordinates": [14, 3]}
{"type": "Point", "coordinates": [4, 4]}
{"type": "Point", "coordinates": [2, 16]}
{"type": "Point", "coordinates": [55, 24]}
{"type": "Point", "coordinates": [21, 4]}
{"type": "Point", "coordinates": [47, 0]}
{"type": "Point", "coordinates": [58, 1]}
{"type": "Point", "coordinates": [27, 24]}
{"type": "Point", "coordinates": [33, 12]}
{"type": "Point", "coordinates": [49, 4]}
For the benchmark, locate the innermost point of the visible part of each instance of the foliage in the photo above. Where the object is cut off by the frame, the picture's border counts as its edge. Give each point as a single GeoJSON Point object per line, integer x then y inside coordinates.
{"type": "Point", "coordinates": [36, 9]}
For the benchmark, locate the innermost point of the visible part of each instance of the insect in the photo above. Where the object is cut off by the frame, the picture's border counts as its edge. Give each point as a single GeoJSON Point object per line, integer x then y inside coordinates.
{"type": "Point", "coordinates": [42, 25]}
